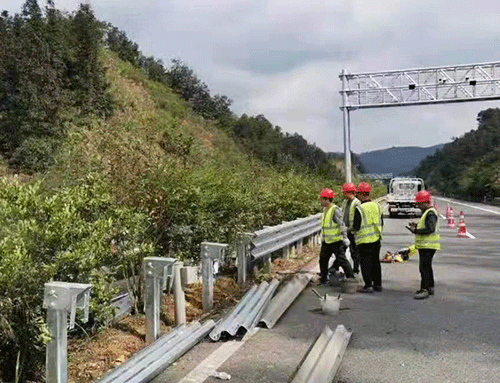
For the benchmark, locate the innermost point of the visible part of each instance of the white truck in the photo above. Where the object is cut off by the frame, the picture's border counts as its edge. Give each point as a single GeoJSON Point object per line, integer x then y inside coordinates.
{"type": "Point", "coordinates": [401, 197]}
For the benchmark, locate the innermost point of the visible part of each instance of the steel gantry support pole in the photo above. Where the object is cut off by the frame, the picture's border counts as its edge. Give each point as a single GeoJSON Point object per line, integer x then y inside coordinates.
{"type": "Point", "coordinates": [347, 129]}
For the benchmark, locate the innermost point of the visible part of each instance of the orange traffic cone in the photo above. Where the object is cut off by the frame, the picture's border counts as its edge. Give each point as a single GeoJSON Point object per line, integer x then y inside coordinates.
{"type": "Point", "coordinates": [451, 220]}
{"type": "Point", "coordinates": [462, 231]}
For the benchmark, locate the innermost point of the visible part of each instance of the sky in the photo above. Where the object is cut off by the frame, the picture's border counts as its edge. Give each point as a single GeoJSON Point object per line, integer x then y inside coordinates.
{"type": "Point", "coordinates": [282, 58]}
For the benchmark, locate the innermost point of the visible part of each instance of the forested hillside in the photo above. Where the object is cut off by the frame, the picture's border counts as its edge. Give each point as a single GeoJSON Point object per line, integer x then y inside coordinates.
{"type": "Point", "coordinates": [396, 160]}
{"type": "Point", "coordinates": [468, 167]}
{"type": "Point", "coordinates": [108, 156]}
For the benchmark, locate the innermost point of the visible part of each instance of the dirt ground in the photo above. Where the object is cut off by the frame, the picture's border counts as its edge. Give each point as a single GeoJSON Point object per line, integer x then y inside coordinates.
{"type": "Point", "coordinates": [90, 358]}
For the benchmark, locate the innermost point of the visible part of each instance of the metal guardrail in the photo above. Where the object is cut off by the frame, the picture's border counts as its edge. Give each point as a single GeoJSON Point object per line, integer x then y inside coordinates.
{"type": "Point", "coordinates": [157, 272]}
{"type": "Point", "coordinates": [277, 237]}
{"type": "Point", "coordinates": [261, 244]}
{"type": "Point", "coordinates": [61, 299]}
{"type": "Point", "coordinates": [324, 358]}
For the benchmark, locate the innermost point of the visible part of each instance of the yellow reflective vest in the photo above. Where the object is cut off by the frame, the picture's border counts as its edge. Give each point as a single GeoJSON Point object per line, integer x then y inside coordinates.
{"type": "Point", "coordinates": [330, 230]}
{"type": "Point", "coordinates": [428, 241]}
{"type": "Point", "coordinates": [352, 208]}
{"type": "Point", "coordinates": [371, 223]}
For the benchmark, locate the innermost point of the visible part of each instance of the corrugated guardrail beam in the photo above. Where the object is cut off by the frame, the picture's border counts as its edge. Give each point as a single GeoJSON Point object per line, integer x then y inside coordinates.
{"type": "Point", "coordinates": [277, 237]}
{"type": "Point", "coordinates": [247, 314]}
{"type": "Point", "coordinates": [262, 243]}
{"type": "Point", "coordinates": [283, 299]}
{"type": "Point", "coordinates": [324, 358]}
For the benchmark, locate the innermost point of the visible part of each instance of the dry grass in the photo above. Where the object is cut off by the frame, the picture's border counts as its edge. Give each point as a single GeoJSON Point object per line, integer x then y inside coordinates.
{"type": "Point", "coordinates": [89, 359]}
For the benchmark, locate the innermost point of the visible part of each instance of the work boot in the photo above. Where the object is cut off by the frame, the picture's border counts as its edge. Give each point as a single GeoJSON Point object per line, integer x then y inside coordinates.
{"type": "Point", "coordinates": [430, 290]}
{"type": "Point", "coordinates": [365, 289]}
{"type": "Point", "coordinates": [320, 282]}
{"type": "Point", "coordinates": [377, 288]}
{"type": "Point", "coordinates": [421, 294]}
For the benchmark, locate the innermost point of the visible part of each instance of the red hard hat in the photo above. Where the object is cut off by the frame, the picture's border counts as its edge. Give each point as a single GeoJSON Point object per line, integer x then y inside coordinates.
{"type": "Point", "coordinates": [327, 193]}
{"type": "Point", "coordinates": [364, 187]}
{"type": "Point", "coordinates": [423, 196]}
{"type": "Point", "coordinates": [348, 187]}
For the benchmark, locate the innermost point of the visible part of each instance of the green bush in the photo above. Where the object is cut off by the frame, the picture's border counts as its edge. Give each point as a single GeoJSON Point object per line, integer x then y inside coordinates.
{"type": "Point", "coordinates": [34, 154]}
{"type": "Point", "coordinates": [214, 201]}
{"type": "Point", "coordinates": [74, 235]}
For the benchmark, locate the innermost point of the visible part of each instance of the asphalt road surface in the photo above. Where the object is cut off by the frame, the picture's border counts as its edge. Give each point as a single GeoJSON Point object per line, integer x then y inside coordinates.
{"type": "Point", "coordinates": [453, 336]}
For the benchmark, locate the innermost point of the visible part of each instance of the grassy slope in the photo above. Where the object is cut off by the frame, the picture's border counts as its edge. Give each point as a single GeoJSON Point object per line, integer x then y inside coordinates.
{"type": "Point", "coordinates": [154, 148]}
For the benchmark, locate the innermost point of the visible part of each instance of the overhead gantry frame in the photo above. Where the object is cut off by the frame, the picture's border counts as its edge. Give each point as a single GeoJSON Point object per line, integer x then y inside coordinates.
{"type": "Point", "coordinates": [437, 85]}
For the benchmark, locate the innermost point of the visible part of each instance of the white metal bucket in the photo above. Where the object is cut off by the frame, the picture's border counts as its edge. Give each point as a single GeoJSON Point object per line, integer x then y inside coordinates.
{"type": "Point", "coordinates": [330, 304]}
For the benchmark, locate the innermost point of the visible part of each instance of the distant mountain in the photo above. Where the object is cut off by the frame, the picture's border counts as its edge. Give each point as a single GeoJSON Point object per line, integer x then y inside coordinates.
{"type": "Point", "coordinates": [396, 160]}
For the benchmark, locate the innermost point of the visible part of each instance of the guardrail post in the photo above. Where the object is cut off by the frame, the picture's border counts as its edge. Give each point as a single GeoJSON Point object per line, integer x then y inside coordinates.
{"type": "Point", "coordinates": [59, 299]}
{"type": "Point", "coordinates": [317, 239]}
{"type": "Point", "coordinates": [290, 251]}
{"type": "Point", "coordinates": [242, 256]}
{"type": "Point", "coordinates": [179, 296]}
{"type": "Point", "coordinates": [268, 263]}
{"type": "Point", "coordinates": [212, 255]}
{"type": "Point", "coordinates": [300, 245]}
{"type": "Point", "coordinates": [155, 270]}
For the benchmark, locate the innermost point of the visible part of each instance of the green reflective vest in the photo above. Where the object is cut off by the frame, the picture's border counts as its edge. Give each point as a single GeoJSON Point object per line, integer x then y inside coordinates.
{"type": "Point", "coordinates": [355, 202]}
{"type": "Point", "coordinates": [428, 241]}
{"type": "Point", "coordinates": [330, 230]}
{"type": "Point", "coordinates": [371, 223]}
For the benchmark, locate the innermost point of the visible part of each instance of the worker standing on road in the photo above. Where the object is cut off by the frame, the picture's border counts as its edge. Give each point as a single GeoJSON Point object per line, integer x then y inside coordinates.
{"type": "Point", "coordinates": [333, 237]}
{"type": "Point", "coordinates": [348, 210]}
{"type": "Point", "coordinates": [367, 225]}
{"type": "Point", "coordinates": [426, 241]}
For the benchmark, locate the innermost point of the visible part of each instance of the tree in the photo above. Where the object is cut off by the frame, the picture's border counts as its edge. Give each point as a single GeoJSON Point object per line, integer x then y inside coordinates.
{"type": "Point", "coordinates": [31, 91]}
{"type": "Point", "coordinates": [183, 80]}
{"type": "Point", "coordinates": [118, 42]}
{"type": "Point", "coordinates": [450, 170]}
{"type": "Point", "coordinates": [154, 69]}
{"type": "Point", "coordinates": [86, 73]}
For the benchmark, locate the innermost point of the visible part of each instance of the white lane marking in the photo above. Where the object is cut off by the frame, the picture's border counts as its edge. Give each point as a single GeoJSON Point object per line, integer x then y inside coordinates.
{"type": "Point", "coordinates": [442, 216]}
{"type": "Point", "coordinates": [469, 235]}
{"type": "Point", "coordinates": [467, 205]}
{"type": "Point", "coordinates": [215, 360]}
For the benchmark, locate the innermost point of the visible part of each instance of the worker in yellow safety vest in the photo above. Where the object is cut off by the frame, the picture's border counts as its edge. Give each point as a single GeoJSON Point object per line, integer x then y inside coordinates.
{"type": "Point", "coordinates": [427, 241]}
{"type": "Point", "coordinates": [333, 237]}
{"type": "Point", "coordinates": [348, 210]}
{"type": "Point", "coordinates": [367, 226]}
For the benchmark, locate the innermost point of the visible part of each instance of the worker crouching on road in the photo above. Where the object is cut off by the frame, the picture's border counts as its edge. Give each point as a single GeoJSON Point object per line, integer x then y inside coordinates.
{"type": "Point", "coordinates": [426, 241]}
{"type": "Point", "coordinates": [333, 237]}
{"type": "Point", "coordinates": [367, 225]}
